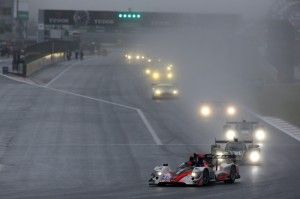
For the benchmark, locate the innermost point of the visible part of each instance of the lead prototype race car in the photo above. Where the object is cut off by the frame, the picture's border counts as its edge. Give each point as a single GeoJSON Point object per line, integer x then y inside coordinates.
{"type": "Point", "coordinates": [200, 170]}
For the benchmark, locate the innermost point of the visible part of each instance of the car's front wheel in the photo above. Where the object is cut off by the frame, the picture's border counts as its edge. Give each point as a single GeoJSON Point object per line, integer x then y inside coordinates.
{"type": "Point", "coordinates": [232, 175]}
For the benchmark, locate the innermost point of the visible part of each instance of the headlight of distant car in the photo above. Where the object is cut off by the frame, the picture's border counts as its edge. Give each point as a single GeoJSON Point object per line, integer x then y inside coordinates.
{"type": "Point", "coordinates": [148, 71]}
{"type": "Point", "coordinates": [157, 92]}
{"type": "Point", "coordinates": [155, 75]}
{"type": "Point", "coordinates": [230, 110]}
{"type": "Point", "coordinates": [129, 57]}
{"type": "Point", "coordinates": [205, 111]}
{"type": "Point", "coordinates": [254, 156]}
{"type": "Point", "coordinates": [169, 68]}
{"type": "Point", "coordinates": [175, 92]}
{"type": "Point", "coordinates": [230, 134]}
{"type": "Point", "coordinates": [170, 75]}
{"type": "Point", "coordinates": [260, 134]}
{"type": "Point", "coordinates": [149, 60]}
{"type": "Point", "coordinates": [137, 57]}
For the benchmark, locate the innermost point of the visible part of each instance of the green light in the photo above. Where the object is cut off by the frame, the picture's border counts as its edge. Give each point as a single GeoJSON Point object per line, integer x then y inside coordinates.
{"type": "Point", "coordinates": [133, 16]}
{"type": "Point", "coordinates": [120, 15]}
{"type": "Point", "coordinates": [129, 15]}
{"type": "Point", "coordinates": [138, 16]}
{"type": "Point", "coordinates": [125, 15]}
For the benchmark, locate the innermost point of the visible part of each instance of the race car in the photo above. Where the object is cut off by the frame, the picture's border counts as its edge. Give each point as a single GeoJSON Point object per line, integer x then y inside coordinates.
{"type": "Point", "coordinates": [164, 91]}
{"type": "Point", "coordinates": [200, 170]}
{"type": "Point", "coordinates": [244, 130]}
{"type": "Point", "coordinates": [135, 58]}
{"type": "Point", "coordinates": [217, 108]}
{"type": "Point", "coordinates": [246, 152]}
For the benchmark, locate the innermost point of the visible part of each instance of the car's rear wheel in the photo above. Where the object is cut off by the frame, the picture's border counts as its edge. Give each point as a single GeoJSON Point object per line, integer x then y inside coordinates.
{"type": "Point", "coordinates": [232, 175]}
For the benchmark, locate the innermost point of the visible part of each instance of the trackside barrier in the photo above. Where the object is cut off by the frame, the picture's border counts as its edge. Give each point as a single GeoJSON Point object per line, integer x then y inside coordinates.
{"type": "Point", "coordinates": [46, 53]}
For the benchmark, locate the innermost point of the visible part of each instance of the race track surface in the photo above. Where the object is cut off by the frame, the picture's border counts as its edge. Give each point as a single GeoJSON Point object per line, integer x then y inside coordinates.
{"type": "Point", "coordinates": [66, 140]}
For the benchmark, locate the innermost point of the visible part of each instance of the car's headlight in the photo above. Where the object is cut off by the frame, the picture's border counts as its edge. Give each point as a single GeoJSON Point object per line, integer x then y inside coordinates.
{"type": "Point", "coordinates": [157, 92]}
{"type": "Point", "coordinates": [194, 174]}
{"type": "Point", "coordinates": [149, 60]}
{"type": "Point", "coordinates": [205, 111]}
{"type": "Point", "coordinates": [254, 156]}
{"type": "Point", "coordinates": [143, 57]}
{"type": "Point", "coordinates": [156, 75]}
{"type": "Point", "coordinates": [230, 110]}
{"type": "Point", "coordinates": [159, 173]}
{"type": "Point", "coordinates": [175, 92]}
{"type": "Point", "coordinates": [170, 75]}
{"type": "Point", "coordinates": [129, 57]}
{"type": "Point", "coordinates": [230, 134]}
{"type": "Point", "coordinates": [137, 57]}
{"type": "Point", "coordinates": [148, 71]}
{"type": "Point", "coordinates": [260, 134]}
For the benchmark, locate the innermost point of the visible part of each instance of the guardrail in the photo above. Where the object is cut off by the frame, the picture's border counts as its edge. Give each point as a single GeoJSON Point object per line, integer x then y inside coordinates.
{"type": "Point", "coordinates": [46, 53]}
{"type": "Point", "coordinates": [36, 56]}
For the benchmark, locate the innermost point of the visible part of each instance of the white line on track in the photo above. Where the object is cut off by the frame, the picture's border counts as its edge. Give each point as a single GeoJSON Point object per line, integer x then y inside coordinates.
{"type": "Point", "coordinates": [60, 74]}
{"type": "Point", "coordinates": [91, 98]}
{"type": "Point", "coordinates": [111, 145]}
{"type": "Point", "coordinates": [149, 127]}
{"type": "Point", "coordinates": [139, 111]}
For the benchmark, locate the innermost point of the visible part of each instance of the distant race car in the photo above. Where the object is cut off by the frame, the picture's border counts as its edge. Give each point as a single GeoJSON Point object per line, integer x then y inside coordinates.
{"type": "Point", "coordinates": [164, 91]}
{"type": "Point", "coordinates": [199, 171]}
{"type": "Point", "coordinates": [244, 130]}
{"type": "Point", "coordinates": [210, 108]}
{"type": "Point", "coordinates": [245, 151]}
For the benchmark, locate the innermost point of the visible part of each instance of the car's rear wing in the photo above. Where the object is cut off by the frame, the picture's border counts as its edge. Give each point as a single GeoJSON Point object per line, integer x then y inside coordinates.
{"type": "Point", "coordinates": [242, 122]}
{"type": "Point", "coordinates": [224, 156]}
{"type": "Point", "coordinates": [226, 141]}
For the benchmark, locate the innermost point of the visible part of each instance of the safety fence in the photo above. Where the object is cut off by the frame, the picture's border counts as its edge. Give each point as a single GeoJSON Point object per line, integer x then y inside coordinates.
{"type": "Point", "coordinates": [34, 57]}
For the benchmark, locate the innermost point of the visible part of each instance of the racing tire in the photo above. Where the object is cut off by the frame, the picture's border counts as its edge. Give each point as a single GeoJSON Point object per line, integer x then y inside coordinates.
{"type": "Point", "coordinates": [205, 178]}
{"type": "Point", "coordinates": [232, 176]}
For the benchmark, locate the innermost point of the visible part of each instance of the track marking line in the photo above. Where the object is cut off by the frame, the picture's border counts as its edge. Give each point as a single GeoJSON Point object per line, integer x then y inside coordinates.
{"type": "Point", "coordinates": [91, 98]}
{"type": "Point", "coordinates": [139, 111]}
{"type": "Point", "coordinates": [60, 74]}
{"type": "Point", "coordinates": [149, 127]}
{"type": "Point", "coordinates": [109, 145]}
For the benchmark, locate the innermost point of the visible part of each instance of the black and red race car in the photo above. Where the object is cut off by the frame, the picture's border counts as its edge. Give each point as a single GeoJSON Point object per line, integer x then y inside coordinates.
{"type": "Point", "coordinates": [200, 170]}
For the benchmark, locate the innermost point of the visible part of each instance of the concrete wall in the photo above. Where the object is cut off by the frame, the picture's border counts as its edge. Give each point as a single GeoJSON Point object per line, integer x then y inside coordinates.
{"type": "Point", "coordinates": [48, 60]}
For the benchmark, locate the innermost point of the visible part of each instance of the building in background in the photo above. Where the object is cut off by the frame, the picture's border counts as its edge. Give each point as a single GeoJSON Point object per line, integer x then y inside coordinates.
{"type": "Point", "coordinates": [14, 15]}
{"type": "Point", "coordinates": [6, 18]}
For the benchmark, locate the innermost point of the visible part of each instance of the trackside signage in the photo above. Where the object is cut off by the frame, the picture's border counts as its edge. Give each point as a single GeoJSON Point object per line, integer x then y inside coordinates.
{"type": "Point", "coordinates": [71, 17]}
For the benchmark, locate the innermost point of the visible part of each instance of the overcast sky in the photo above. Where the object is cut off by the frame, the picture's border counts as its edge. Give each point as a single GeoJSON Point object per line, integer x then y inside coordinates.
{"type": "Point", "coordinates": [246, 7]}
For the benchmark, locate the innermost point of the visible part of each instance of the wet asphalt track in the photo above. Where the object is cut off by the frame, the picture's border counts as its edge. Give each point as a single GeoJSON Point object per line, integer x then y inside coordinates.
{"type": "Point", "coordinates": [58, 145]}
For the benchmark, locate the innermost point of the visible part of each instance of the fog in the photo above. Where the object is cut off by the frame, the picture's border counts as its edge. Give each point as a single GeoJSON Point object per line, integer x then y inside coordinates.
{"type": "Point", "coordinates": [212, 64]}
{"type": "Point", "coordinates": [248, 8]}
